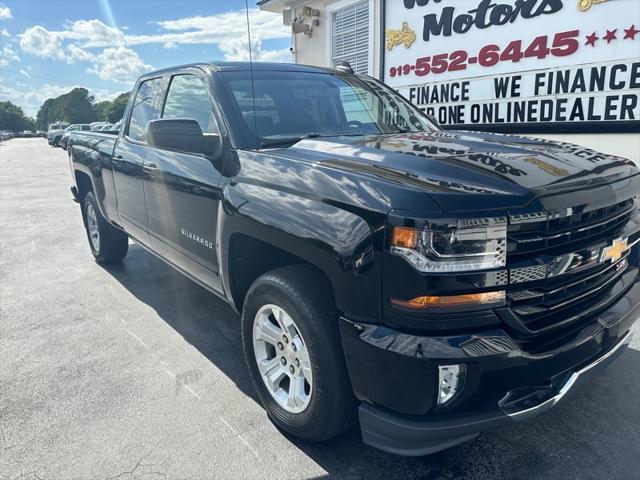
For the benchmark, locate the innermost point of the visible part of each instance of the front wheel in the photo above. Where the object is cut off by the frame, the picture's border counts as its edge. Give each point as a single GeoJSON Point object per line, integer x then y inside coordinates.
{"type": "Point", "coordinates": [108, 245]}
{"type": "Point", "coordinates": [294, 354]}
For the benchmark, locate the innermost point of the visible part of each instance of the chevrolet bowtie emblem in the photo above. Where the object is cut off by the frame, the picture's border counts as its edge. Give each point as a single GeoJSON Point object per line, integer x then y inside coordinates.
{"type": "Point", "coordinates": [614, 251]}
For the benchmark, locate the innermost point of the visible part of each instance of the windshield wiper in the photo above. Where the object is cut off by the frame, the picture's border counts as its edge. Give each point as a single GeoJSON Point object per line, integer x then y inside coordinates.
{"type": "Point", "coordinates": [274, 142]}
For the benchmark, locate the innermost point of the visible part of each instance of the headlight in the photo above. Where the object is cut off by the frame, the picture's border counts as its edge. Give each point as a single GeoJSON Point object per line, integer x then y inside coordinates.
{"type": "Point", "coordinates": [466, 245]}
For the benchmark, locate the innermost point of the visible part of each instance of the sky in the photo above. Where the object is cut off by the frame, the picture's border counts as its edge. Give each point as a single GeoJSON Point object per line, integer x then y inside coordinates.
{"type": "Point", "coordinates": [47, 47]}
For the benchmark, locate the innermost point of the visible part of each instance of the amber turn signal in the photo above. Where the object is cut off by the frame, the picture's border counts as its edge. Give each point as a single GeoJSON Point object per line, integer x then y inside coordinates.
{"type": "Point", "coordinates": [488, 299]}
{"type": "Point", "coordinates": [404, 237]}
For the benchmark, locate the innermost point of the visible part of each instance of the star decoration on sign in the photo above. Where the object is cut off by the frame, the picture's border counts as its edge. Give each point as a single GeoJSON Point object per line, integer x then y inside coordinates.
{"type": "Point", "coordinates": [631, 32]}
{"type": "Point", "coordinates": [611, 35]}
{"type": "Point", "coordinates": [591, 39]}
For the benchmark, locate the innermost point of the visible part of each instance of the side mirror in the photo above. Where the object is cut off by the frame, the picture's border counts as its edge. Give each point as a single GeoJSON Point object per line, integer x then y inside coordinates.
{"type": "Point", "coordinates": [182, 135]}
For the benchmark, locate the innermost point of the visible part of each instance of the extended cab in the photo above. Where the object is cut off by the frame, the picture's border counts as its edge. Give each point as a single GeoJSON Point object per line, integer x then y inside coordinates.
{"type": "Point", "coordinates": [432, 284]}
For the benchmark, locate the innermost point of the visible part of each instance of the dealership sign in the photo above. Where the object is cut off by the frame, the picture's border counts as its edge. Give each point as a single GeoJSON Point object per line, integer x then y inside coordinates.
{"type": "Point", "coordinates": [518, 64]}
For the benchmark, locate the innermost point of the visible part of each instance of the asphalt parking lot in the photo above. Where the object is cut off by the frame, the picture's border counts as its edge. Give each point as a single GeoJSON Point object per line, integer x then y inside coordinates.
{"type": "Point", "coordinates": [134, 371]}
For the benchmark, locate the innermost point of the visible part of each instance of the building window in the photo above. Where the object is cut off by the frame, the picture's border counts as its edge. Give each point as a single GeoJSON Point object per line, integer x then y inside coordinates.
{"type": "Point", "coordinates": [350, 36]}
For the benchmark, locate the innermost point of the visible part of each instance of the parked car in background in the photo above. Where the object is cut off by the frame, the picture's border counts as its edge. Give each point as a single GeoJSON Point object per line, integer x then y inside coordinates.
{"type": "Point", "coordinates": [55, 132]}
{"type": "Point", "coordinates": [432, 284]}
{"type": "Point", "coordinates": [4, 135]}
{"type": "Point", "coordinates": [95, 126]}
{"type": "Point", "coordinates": [67, 133]}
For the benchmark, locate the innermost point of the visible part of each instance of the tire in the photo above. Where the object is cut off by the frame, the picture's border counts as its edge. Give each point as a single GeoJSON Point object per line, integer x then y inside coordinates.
{"type": "Point", "coordinates": [108, 245]}
{"type": "Point", "coordinates": [327, 406]}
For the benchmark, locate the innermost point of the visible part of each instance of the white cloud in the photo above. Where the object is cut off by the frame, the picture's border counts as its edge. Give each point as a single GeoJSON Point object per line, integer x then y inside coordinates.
{"type": "Point", "coordinates": [5, 12]}
{"type": "Point", "coordinates": [94, 33]}
{"type": "Point", "coordinates": [119, 64]}
{"type": "Point", "coordinates": [7, 55]}
{"type": "Point", "coordinates": [228, 31]}
{"type": "Point", "coordinates": [85, 34]}
{"type": "Point", "coordinates": [40, 42]}
{"type": "Point", "coordinates": [283, 55]}
{"type": "Point", "coordinates": [5, 33]}
{"type": "Point", "coordinates": [75, 53]}
{"type": "Point", "coordinates": [221, 29]}
{"type": "Point", "coordinates": [116, 61]}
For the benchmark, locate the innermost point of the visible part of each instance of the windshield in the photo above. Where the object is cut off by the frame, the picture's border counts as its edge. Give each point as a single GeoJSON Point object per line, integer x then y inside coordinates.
{"type": "Point", "coordinates": [283, 107]}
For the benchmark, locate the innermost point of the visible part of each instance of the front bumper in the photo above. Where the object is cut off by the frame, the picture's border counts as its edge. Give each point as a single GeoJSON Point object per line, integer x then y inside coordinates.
{"type": "Point", "coordinates": [394, 374]}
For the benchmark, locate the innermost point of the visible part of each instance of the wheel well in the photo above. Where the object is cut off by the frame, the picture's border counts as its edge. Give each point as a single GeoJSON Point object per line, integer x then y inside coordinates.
{"type": "Point", "coordinates": [83, 183]}
{"type": "Point", "coordinates": [249, 258]}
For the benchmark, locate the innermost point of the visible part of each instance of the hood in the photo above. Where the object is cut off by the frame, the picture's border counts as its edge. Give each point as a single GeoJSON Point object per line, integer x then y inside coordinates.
{"type": "Point", "coordinates": [446, 163]}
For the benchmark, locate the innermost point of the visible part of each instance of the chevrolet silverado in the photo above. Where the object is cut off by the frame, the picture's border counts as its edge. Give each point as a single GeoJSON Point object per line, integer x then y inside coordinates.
{"type": "Point", "coordinates": [429, 284]}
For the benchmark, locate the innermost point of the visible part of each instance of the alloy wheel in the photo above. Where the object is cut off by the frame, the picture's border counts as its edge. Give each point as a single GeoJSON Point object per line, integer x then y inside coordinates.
{"type": "Point", "coordinates": [282, 358]}
{"type": "Point", "coordinates": [92, 227]}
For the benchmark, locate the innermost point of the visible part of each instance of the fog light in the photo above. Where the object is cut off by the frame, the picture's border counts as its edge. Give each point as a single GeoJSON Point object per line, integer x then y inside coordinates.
{"type": "Point", "coordinates": [450, 382]}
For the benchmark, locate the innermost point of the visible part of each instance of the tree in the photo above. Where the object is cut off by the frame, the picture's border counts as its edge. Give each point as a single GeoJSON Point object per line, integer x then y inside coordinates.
{"type": "Point", "coordinates": [77, 107]}
{"type": "Point", "coordinates": [12, 118]}
{"type": "Point", "coordinates": [102, 110]}
{"type": "Point", "coordinates": [73, 107]}
{"type": "Point", "coordinates": [115, 110]}
{"type": "Point", "coordinates": [46, 114]}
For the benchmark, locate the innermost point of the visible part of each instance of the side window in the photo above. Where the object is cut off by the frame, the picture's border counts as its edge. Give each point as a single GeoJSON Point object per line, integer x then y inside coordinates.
{"type": "Point", "coordinates": [145, 108]}
{"type": "Point", "coordinates": [188, 98]}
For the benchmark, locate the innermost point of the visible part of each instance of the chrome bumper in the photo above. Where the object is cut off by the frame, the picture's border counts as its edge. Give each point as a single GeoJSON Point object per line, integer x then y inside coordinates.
{"type": "Point", "coordinates": [567, 383]}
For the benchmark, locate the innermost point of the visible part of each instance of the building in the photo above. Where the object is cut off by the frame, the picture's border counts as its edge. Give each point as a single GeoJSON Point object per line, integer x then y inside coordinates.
{"type": "Point", "coordinates": [565, 70]}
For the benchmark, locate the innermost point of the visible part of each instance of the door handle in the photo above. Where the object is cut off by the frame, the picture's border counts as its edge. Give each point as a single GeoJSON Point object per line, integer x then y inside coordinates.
{"type": "Point", "coordinates": [150, 168]}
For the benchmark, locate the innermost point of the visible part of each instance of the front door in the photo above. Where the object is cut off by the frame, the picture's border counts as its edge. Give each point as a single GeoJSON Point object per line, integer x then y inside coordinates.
{"type": "Point", "coordinates": [182, 190]}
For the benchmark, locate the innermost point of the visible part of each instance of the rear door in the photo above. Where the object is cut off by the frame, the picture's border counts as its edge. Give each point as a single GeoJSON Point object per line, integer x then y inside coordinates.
{"type": "Point", "coordinates": [129, 156]}
{"type": "Point", "coordinates": [182, 190]}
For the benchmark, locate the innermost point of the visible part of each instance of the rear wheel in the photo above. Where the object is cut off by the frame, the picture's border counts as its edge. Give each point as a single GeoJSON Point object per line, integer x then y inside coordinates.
{"type": "Point", "coordinates": [108, 245]}
{"type": "Point", "coordinates": [294, 354]}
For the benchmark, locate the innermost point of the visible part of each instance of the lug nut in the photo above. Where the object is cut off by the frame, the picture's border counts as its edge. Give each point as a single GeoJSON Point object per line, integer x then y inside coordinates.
{"type": "Point", "coordinates": [283, 361]}
{"type": "Point", "coordinates": [293, 347]}
{"type": "Point", "coordinates": [285, 339]}
{"type": "Point", "coordinates": [297, 362]}
{"type": "Point", "coordinates": [291, 369]}
{"type": "Point", "coordinates": [280, 346]}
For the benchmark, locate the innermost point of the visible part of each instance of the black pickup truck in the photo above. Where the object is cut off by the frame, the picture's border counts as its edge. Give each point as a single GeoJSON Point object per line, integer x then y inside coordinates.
{"type": "Point", "coordinates": [430, 284]}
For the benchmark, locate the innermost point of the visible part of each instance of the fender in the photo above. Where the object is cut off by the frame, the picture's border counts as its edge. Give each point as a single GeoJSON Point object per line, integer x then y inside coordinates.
{"type": "Point", "coordinates": [95, 162]}
{"type": "Point", "coordinates": [338, 242]}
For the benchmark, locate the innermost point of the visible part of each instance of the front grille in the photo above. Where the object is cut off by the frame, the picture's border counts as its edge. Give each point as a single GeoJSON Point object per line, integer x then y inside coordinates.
{"type": "Point", "coordinates": [544, 308]}
{"type": "Point", "coordinates": [556, 279]}
{"type": "Point", "coordinates": [531, 233]}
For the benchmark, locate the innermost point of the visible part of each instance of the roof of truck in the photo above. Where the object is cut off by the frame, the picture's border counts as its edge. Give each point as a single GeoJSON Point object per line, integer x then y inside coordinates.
{"type": "Point", "coordinates": [246, 66]}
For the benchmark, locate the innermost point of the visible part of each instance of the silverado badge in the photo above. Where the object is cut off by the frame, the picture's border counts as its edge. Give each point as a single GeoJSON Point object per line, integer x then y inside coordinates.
{"type": "Point", "coordinates": [614, 251]}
